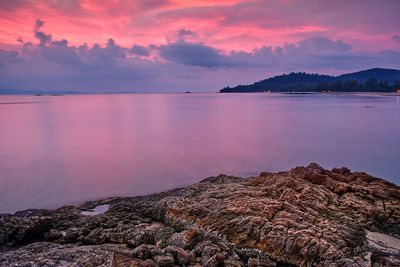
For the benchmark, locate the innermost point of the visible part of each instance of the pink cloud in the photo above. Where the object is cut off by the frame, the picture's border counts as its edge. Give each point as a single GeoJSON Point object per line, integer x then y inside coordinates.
{"type": "Point", "coordinates": [150, 22]}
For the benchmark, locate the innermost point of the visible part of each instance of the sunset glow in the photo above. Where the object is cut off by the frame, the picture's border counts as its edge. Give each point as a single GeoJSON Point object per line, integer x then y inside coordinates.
{"type": "Point", "coordinates": [192, 38]}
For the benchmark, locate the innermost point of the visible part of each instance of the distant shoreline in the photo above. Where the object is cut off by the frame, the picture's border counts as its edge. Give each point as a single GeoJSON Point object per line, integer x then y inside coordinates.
{"type": "Point", "coordinates": [368, 93]}
{"type": "Point", "coordinates": [283, 92]}
{"type": "Point", "coordinates": [319, 93]}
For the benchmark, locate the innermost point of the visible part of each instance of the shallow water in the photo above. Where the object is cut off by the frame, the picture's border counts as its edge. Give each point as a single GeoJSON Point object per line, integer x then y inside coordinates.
{"type": "Point", "coordinates": [57, 150]}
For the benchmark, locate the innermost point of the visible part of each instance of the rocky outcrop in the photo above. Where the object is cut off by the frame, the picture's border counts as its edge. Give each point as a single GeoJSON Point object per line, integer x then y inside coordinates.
{"type": "Point", "coordinates": [307, 216]}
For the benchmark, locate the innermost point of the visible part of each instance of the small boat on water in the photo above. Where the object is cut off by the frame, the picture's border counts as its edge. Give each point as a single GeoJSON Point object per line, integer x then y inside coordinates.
{"type": "Point", "coordinates": [188, 92]}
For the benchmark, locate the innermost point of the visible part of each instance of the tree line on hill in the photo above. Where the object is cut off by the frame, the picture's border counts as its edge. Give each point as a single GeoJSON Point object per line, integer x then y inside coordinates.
{"type": "Point", "coordinates": [371, 85]}
{"type": "Point", "coordinates": [305, 82]}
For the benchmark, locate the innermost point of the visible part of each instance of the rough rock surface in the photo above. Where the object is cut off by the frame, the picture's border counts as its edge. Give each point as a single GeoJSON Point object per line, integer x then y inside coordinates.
{"type": "Point", "coordinates": [307, 216]}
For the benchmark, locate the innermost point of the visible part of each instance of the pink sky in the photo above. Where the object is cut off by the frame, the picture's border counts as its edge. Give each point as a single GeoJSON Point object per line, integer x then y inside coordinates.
{"type": "Point", "coordinates": [228, 25]}
{"type": "Point", "coordinates": [365, 32]}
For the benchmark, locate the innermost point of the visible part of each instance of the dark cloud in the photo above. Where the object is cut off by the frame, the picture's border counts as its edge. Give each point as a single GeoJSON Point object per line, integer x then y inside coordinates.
{"type": "Point", "coordinates": [316, 50]}
{"type": "Point", "coordinates": [140, 50]}
{"type": "Point", "coordinates": [195, 54]}
{"type": "Point", "coordinates": [184, 32]}
{"type": "Point", "coordinates": [323, 45]}
{"type": "Point", "coordinates": [38, 24]}
{"type": "Point", "coordinates": [43, 38]}
{"type": "Point", "coordinates": [8, 56]}
{"type": "Point", "coordinates": [396, 38]}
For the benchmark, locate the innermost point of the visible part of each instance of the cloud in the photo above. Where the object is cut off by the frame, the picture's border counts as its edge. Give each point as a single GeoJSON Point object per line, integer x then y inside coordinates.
{"type": "Point", "coordinates": [8, 56]}
{"type": "Point", "coordinates": [38, 24]}
{"type": "Point", "coordinates": [195, 54]}
{"type": "Point", "coordinates": [12, 5]}
{"type": "Point", "coordinates": [140, 50]}
{"type": "Point", "coordinates": [152, 4]}
{"type": "Point", "coordinates": [184, 32]}
{"type": "Point", "coordinates": [323, 45]}
{"type": "Point", "coordinates": [310, 53]}
{"type": "Point", "coordinates": [41, 36]}
{"type": "Point", "coordinates": [228, 24]}
{"type": "Point", "coordinates": [59, 65]}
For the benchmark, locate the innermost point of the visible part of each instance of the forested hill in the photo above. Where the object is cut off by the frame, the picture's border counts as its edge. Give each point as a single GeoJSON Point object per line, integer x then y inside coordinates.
{"type": "Point", "coordinates": [389, 75]}
{"type": "Point", "coordinates": [372, 80]}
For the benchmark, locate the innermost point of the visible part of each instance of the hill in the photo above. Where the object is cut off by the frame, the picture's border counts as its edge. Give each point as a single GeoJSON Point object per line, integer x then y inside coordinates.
{"type": "Point", "coordinates": [389, 75]}
{"type": "Point", "coordinates": [372, 80]}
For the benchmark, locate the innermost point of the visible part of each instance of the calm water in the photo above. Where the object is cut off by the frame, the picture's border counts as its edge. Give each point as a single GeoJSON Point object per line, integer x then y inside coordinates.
{"type": "Point", "coordinates": [57, 150]}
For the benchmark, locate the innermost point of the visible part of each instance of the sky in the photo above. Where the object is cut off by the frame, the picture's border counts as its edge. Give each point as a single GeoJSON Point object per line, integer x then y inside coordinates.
{"type": "Point", "coordinates": [197, 45]}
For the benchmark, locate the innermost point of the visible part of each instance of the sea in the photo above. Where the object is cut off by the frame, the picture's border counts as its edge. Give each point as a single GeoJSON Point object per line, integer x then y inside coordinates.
{"type": "Point", "coordinates": [68, 149]}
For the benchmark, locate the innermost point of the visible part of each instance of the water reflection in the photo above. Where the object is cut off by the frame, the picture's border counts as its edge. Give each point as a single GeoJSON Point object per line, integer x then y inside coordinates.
{"type": "Point", "coordinates": [75, 148]}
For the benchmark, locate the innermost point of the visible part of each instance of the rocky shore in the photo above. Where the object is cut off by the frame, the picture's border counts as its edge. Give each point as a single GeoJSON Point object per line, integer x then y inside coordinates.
{"type": "Point", "coordinates": [307, 216]}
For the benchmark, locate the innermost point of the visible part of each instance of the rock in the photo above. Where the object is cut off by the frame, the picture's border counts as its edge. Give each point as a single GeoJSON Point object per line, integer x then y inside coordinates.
{"type": "Point", "coordinates": [307, 216]}
{"type": "Point", "coordinates": [126, 260]}
{"type": "Point", "coordinates": [147, 220]}
{"type": "Point", "coordinates": [186, 239]}
{"type": "Point", "coordinates": [51, 254]}
{"type": "Point", "coordinates": [141, 236]}
{"type": "Point", "coordinates": [208, 252]}
{"type": "Point", "coordinates": [164, 260]}
{"type": "Point", "coordinates": [385, 259]}
{"type": "Point", "coordinates": [142, 252]}
{"type": "Point", "coordinates": [216, 260]}
{"type": "Point", "coordinates": [53, 234]}
{"type": "Point", "coordinates": [17, 229]}
{"type": "Point", "coordinates": [181, 256]}
{"type": "Point", "coordinates": [162, 236]}
{"type": "Point", "coordinates": [260, 261]}
{"type": "Point", "coordinates": [231, 262]}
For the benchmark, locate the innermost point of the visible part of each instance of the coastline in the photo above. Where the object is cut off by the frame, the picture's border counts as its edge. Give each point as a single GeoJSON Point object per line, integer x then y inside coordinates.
{"type": "Point", "coordinates": [317, 93]}
{"type": "Point", "coordinates": [307, 216]}
{"type": "Point", "coordinates": [364, 93]}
